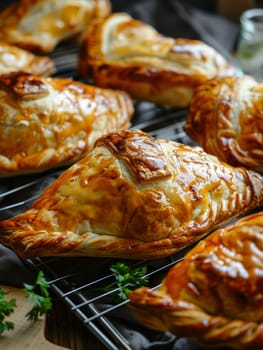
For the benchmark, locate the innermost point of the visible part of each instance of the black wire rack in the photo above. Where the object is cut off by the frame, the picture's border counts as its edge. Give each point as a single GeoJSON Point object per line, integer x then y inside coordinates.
{"type": "Point", "coordinates": [80, 282]}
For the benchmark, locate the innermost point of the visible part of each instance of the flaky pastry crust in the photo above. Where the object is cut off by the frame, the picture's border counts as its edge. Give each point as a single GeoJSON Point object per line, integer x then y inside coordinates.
{"type": "Point", "coordinates": [121, 52]}
{"type": "Point", "coordinates": [52, 122]}
{"type": "Point", "coordinates": [226, 118]}
{"type": "Point", "coordinates": [39, 25]}
{"type": "Point", "coordinates": [13, 58]}
{"type": "Point", "coordinates": [133, 196]}
{"type": "Point", "coordinates": [215, 295]}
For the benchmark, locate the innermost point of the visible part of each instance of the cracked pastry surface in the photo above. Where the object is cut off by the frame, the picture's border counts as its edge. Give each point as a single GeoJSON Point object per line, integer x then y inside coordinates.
{"type": "Point", "coordinates": [39, 25]}
{"type": "Point", "coordinates": [226, 118]}
{"type": "Point", "coordinates": [133, 196]}
{"type": "Point", "coordinates": [52, 122]}
{"type": "Point", "coordinates": [13, 58]}
{"type": "Point", "coordinates": [121, 52]}
{"type": "Point", "coordinates": [215, 295]}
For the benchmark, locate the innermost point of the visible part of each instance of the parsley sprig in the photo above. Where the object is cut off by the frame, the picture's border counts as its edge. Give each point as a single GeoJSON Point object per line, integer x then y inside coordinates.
{"type": "Point", "coordinates": [38, 294]}
{"type": "Point", "coordinates": [126, 279]}
{"type": "Point", "coordinates": [6, 308]}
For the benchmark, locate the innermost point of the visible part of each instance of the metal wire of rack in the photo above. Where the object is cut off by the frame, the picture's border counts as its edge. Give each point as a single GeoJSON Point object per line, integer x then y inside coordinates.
{"type": "Point", "coordinates": [95, 307]}
{"type": "Point", "coordinates": [75, 280]}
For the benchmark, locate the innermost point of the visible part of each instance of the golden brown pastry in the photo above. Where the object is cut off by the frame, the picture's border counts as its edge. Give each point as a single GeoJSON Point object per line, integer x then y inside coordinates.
{"type": "Point", "coordinates": [226, 118]}
{"type": "Point", "coordinates": [215, 295]}
{"type": "Point", "coordinates": [52, 122]}
{"type": "Point", "coordinates": [133, 196]}
{"type": "Point", "coordinates": [121, 52]}
{"type": "Point", "coordinates": [13, 58]}
{"type": "Point", "coordinates": [39, 25]}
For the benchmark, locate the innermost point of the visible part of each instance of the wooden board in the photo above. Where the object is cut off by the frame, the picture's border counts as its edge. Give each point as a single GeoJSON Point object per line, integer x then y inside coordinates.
{"type": "Point", "coordinates": [25, 335]}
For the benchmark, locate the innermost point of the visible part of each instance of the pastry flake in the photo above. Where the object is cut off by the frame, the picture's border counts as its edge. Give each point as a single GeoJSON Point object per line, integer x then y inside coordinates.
{"type": "Point", "coordinates": [166, 198]}
{"type": "Point", "coordinates": [226, 118]}
{"type": "Point", "coordinates": [121, 52]}
{"type": "Point", "coordinates": [52, 122]}
{"type": "Point", "coordinates": [215, 295]}
{"type": "Point", "coordinates": [40, 25]}
{"type": "Point", "coordinates": [13, 58]}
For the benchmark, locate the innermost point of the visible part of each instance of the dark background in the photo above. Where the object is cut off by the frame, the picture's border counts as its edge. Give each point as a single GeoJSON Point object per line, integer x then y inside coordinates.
{"type": "Point", "coordinates": [122, 5]}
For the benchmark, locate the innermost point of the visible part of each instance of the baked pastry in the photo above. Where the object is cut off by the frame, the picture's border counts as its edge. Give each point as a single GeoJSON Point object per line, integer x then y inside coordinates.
{"type": "Point", "coordinates": [39, 25]}
{"type": "Point", "coordinates": [226, 118]}
{"type": "Point", "coordinates": [133, 196]}
{"type": "Point", "coordinates": [52, 122]}
{"type": "Point", "coordinates": [215, 295]}
{"type": "Point", "coordinates": [13, 58]}
{"type": "Point", "coordinates": [121, 52]}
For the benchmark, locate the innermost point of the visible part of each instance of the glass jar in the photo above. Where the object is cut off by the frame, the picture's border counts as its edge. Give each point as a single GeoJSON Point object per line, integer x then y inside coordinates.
{"type": "Point", "coordinates": [250, 44]}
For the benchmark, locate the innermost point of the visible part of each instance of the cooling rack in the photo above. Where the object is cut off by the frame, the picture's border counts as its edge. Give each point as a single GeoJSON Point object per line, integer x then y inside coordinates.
{"type": "Point", "coordinates": [75, 280]}
{"type": "Point", "coordinates": [80, 282]}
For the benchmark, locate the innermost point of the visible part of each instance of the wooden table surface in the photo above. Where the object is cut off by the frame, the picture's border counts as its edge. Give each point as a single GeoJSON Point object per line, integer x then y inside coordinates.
{"type": "Point", "coordinates": [59, 329]}
{"type": "Point", "coordinates": [64, 328]}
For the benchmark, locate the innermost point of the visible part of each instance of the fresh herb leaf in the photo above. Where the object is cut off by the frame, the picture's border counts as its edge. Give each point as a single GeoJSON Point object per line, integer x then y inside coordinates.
{"type": "Point", "coordinates": [6, 308]}
{"type": "Point", "coordinates": [126, 279]}
{"type": "Point", "coordinates": [38, 294]}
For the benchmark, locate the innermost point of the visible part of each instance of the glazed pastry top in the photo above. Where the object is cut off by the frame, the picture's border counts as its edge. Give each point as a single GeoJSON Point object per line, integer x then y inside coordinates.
{"type": "Point", "coordinates": [214, 296]}
{"type": "Point", "coordinates": [133, 196]}
{"type": "Point", "coordinates": [121, 52]}
{"type": "Point", "coordinates": [225, 118]}
{"type": "Point", "coordinates": [39, 25]}
{"type": "Point", "coordinates": [50, 122]}
{"type": "Point", "coordinates": [13, 58]}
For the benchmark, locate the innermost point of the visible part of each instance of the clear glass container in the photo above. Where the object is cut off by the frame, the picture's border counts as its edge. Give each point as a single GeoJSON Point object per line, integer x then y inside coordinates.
{"type": "Point", "coordinates": [250, 44]}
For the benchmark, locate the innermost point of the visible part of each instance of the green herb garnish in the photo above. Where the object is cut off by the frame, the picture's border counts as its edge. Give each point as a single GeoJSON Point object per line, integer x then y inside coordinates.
{"type": "Point", "coordinates": [6, 308]}
{"type": "Point", "coordinates": [126, 279]}
{"type": "Point", "coordinates": [38, 293]}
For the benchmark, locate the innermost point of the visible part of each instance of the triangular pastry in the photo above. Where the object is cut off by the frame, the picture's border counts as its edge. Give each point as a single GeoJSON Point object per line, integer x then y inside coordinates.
{"type": "Point", "coordinates": [40, 25]}
{"type": "Point", "coordinates": [133, 196]}
{"type": "Point", "coordinates": [215, 295]}
{"type": "Point", "coordinates": [52, 122]}
{"type": "Point", "coordinates": [226, 118]}
{"type": "Point", "coordinates": [121, 52]}
{"type": "Point", "coordinates": [13, 58]}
